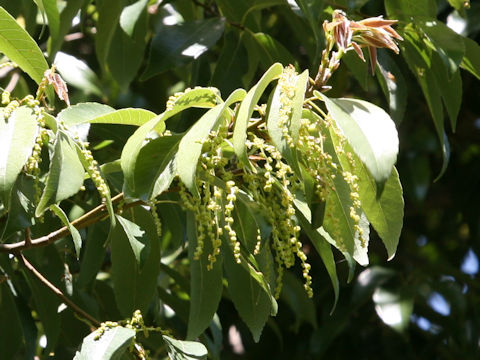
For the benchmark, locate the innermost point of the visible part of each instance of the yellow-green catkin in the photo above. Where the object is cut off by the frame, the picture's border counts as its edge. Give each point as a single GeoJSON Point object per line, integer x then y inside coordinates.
{"type": "Point", "coordinates": [286, 84]}
{"type": "Point", "coordinates": [156, 218]}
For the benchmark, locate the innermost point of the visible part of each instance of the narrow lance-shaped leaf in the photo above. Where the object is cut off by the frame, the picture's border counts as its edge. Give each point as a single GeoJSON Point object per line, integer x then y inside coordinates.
{"type": "Point", "coordinates": [65, 176]}
{"type": "Point", "coordinates": [253, 303]}
{"type": "Point", "coordinates": [202, 98]}
{"type": "Point", "coordinates": [17, 137]}
{"type": "Point", "coordinates": [77, 239]}
{"type": "Point", "coordinates": [190, 146]}
{"type": "Point", "coordinates": [205, 285]}
{"type": "Point", "coordinates": [19, 47]}
{"type": "Point", "coordinates": [246, 109]}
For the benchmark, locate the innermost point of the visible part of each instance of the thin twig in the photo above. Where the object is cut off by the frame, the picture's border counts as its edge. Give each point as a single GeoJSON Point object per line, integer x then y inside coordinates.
{"type": "Point", "coordinates": [57, 291]}
{"type": "Point", "coordinates": [93, 216]}
{"type": "Point", "coordinates": [28, 238]}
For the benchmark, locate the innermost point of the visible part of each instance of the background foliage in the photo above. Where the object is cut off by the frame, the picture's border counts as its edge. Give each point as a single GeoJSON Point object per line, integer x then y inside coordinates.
{"type": "Point", "coordinates": [422, 304]}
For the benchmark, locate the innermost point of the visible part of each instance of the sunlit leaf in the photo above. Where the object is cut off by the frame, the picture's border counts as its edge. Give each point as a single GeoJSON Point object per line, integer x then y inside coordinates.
{"type": "Point", "coordinates": [110, 345]}
{"type": "Point", "coordinates": [19, 47]}
{"type": "Point", "coordinates": [65, 176]}
{"type": "Point", "coordinates": [185, 350]}
{"type": "Point", "coordinates": [77, 239]}
{"type": "Point", "coordinates": [17, 137]}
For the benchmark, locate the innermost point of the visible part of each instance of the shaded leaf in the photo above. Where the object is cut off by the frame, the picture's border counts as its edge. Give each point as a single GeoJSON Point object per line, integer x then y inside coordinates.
{"type": "Point", "coordinates": [177, 45]}
{"type": "Point", "coordinates": [405, 9]}
{"type": "Point", "coordinates": [253, 303]}
{"type": "Point", "coordinates": [205, 285]}
{"type": "Point", "coordinates": [111, 345]}
{"type": "Point", "coordinates": [271, 51]}
{"type": "Point", "coordinates": [134, 235]}
{"type": "Point", "coordinates": [11, 340]}
{"type": "Point", "coordinates": [134, 285]}
{"type": "Point", "coordinates": [17, 137]}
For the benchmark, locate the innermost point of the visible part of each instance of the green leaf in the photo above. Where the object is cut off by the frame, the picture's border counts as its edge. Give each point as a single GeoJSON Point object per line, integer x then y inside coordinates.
{"type": "Point", "coordinates": [190, 146]}
{"type": "Point", "coordinates": [83, 113]}
{"type": "Point", "coordinates": [447, 43]}
{"type": "Point", "coordinates": [77, 239]}
{"type": "Point", "coordinates": [128, 116]}
{"type": "Point", "coordinates": [135, 236]}
{"type": "Point", "coordinates": [253, 303]}
{"type": "Point", "coordinates": [293, 293]}
{"type": "Point", "coordinates": [420, 63]}
{"type": "Point", "coordinates": [312, 10]}
{"type": "Point", "coordinates": [393, 85]}
{"type": "Point", "coordinates": [155, 168]}
{"type": "Point", "coordinates": [77, 73]}
{"type": "Point", "coordinates": [126, 51]}
{"type": "Point", "coordinates": [11, 340]}
{"type": "Point", "coordinates": [246, 109]}
{"type": "Point", "coordinates": [384, 209]}
{"type": "Point", "coordinates": [134, 285]}
{"type": "Point", "coordinates": [65, 176]}
{"type": "Point", "coordinates": [205, 285]}
{"type": "Point", "coordinates": [109, 12]}
{"type": "Point", "coordinates": [471, 60]}
{"type": "Point", "coordinates": [232, 64]}
{"type": "Point", "coordinates": [66, 16]}
{"type": "Point", "coordinates": [94, 254]}
{"type": "Point", "coordinates": [185, 350]}
{"type": "Point", "coordinates": [51, 10]}
{"type": "Point", "coordinates": [405, 9]}
{"type": "Point", "coordinates": [202, 97]}
{"type": "Point", "coordinates": [130, 15]}
{"type": "Point", "coordinates": [17, 137]}
{"type": "Point", "coordinates": [177, 45]}
{"type": "Point", "coordinates": [111, 345]}
{"type": "Point", "coordinates": [271, 51]}
{"type": "Point", "coordinates": [369, 130]}
{"type": "Point", "coordinates": [450, 89]}
{"type": "Point", "coordinates": [19, 47]}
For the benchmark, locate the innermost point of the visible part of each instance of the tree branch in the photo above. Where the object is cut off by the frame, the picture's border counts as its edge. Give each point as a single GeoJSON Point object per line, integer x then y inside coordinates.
{"type": "Point", "coordinates": [57, 291]}
{"type": "Point", "coordinates": [91, 217]}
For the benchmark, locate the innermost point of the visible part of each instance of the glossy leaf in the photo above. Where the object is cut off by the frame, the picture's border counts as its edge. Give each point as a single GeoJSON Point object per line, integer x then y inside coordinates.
{"type": "Point", "coordinates": [177, 45]}
{"type": "Point", "coordinates": [246, 109]}
{"type": "Point", "coordinates": [134, 235]}
{"type": "Point", "coordinates": [393, 85]}
{"type": "Point", "coordinates": [271, 51]}
{"type": "Point", "coordinates": [130, 15]}
{"type": "Point", "coordinates": [405, 9]}
{"type": "Point", "coordinates": [205, 285]}
{"type": "Point", "coordinates": [448, 44]}
{"type": "Point", "coordinates": [370, 131]}
{"type": "Point", "coordinates": [133, 284]}
{"type": "Point", "coordinates": [19, 47]}
{"type": "Point", "coordinates": [83, 113]}
{"type": "Point", "coordinates": [185, 350]}
{"type": "Point", "coordinates": [471, 60]}
{"type": "Point", "coordinates": [190, 146]}
{"type": "Point", "coordinates": [111, 345]}
{"type": "Point", "coordinates": [77, 73]}
{"type": "Point", "coordinates": [77, 239]}
{"type": "Point", "coordinates": [65, 176]}
{"type": "Point", "coordinates": [17, 137]}
{"type": "Point", "coordinates": [202, 98]}
{"type": "Point", "coordinates": [155, 167]}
